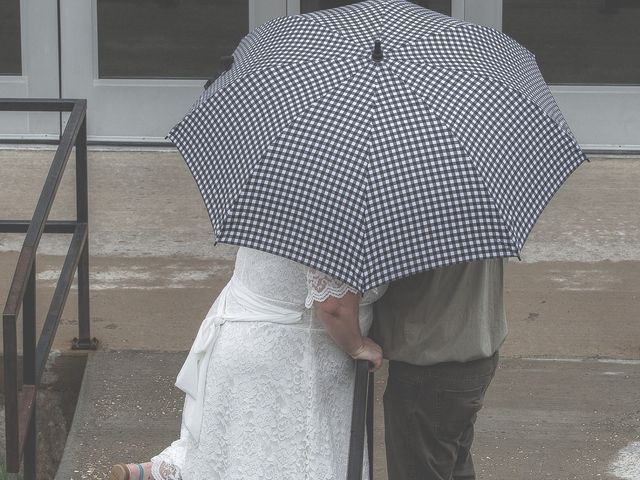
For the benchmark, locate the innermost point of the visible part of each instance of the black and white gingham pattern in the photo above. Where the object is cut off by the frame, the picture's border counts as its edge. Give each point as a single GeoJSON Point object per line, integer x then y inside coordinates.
{"type": "Point", "coordinates": [445, 151]}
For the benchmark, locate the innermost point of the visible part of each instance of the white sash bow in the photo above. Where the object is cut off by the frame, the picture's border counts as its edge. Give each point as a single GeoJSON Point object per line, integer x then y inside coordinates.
{"type": "Point", "coordinates": [192, 375]}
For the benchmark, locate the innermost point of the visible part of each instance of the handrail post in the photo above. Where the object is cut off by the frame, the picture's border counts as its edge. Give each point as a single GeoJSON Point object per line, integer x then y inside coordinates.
{"type": "Point", "coordinates": [83, 341]}
{"type": "Point", "coordinates": [10, 349]}
{"type": "Point", "coordinates": [29, 368]}
{"type": "Point", "coordinates": [82, 194]}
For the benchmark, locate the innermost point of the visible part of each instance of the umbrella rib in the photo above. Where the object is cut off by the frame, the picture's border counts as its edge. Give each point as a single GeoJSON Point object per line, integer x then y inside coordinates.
{"type": "Point", "coordinates": [381, 16]}
{"type": "Point", "coordinates": [365, 228]}
{"type": "Point", "coordinates": [309, 19]}
{"type": "Point", "coordinates": [281, 131]}
{"type": "Point", "coordinates": [262, 68]}
{"type": "Point", "coordinates": [552, 193]}
{"type": "Point", "coordinates": [462, 25]}
{"type": "Point", "coordinates": [365, 48]}
{"type": "Point", "coordinates": [257, 71]}
{"type": "Point", "coordinates": [448, 29]}
{"type": "Point", "coordinates": [503, 84]}
{"type": "Point", "coordinates": [241, 70]}
{"type": "Point", "coordinates": [367, 189]}
{"type": "Point", "coordinates": [514, 244]}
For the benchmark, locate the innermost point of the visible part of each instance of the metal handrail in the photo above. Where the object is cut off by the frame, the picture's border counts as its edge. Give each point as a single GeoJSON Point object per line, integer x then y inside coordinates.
{"type": "Point", "coordinates": [20, 403]}
{"type": "Point", "coordinates": [361, 417]}
{"type": "Point", "coordinates": [45, 202]}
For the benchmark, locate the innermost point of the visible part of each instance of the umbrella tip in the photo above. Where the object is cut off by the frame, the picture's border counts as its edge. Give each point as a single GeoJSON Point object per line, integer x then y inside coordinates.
{"type": "Point", "coordinates": [377, 51]}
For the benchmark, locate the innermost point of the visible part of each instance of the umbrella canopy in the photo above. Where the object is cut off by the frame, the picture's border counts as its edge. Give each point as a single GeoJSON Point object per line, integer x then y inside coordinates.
{"type": "Point", "coordinates": [377, 140]}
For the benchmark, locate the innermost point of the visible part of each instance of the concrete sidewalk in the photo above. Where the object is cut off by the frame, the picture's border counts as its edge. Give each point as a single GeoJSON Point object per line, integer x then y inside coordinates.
{"type": "Point", "coordinates": [155, 271]}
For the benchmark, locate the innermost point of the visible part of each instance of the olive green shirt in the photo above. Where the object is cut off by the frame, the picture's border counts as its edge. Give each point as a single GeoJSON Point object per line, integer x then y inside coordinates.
{"type": "Point", "coordinates": [449, 314]}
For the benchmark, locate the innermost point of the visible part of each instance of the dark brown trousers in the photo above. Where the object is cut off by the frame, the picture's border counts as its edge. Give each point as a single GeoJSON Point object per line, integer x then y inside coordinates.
{"type": "Point", "coordinates": [429, 416]}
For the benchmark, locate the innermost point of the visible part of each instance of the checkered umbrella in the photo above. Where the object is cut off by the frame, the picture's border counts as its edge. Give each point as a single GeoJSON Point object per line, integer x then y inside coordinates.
{"type": "Point", "coordinates": [377, 140]}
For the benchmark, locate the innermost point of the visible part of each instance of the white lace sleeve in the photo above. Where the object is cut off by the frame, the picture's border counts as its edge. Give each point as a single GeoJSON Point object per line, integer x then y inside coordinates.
{"type": "Point", "coordinates": [321, 286]}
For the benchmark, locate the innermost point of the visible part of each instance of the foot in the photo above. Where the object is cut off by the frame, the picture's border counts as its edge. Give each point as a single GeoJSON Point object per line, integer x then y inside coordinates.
{"type": "Point", "coordinates": [131, 471]}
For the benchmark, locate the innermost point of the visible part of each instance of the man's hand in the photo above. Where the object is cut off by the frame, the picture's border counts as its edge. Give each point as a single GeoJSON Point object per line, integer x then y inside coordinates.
{"type": "Point", "coordinates": [370, 351]}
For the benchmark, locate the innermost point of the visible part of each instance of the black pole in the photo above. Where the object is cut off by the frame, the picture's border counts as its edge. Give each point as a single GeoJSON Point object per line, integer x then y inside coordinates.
{"type": "Point", "coordinates": [370, 400]}
{"type": "Point", "coordinates": [84, 340]}
{"type": "Point", "coordinates": [358, 420]}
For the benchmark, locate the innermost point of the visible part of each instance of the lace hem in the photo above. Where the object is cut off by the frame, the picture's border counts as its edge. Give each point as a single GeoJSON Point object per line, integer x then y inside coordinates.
{"type": "Point", "coordinates": [321, 286]}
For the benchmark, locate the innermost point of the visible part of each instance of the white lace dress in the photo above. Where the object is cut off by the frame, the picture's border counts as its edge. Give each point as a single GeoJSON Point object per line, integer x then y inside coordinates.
{"type": "Point", "coordinates": [271, 394]}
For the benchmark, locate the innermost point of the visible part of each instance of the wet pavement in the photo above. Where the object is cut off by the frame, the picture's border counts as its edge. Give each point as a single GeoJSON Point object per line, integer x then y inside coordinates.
{"type": "Point", "coordinates": [572, 305]}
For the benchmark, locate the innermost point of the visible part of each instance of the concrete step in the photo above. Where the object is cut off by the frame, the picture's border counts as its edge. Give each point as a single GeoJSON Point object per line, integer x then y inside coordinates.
{"type": "Point", "coordinates": [128, 410]}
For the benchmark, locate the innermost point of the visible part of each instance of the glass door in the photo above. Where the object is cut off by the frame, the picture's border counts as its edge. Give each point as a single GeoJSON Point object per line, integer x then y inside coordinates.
{"type": "Point", "coordinates": [294, 7]}
{"type": "Point", "coordinates": [589, 51]}
{"type": "Point", "coordinates": [142, 63]}
{"type": "Point", "coordinates": [28, 66]}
